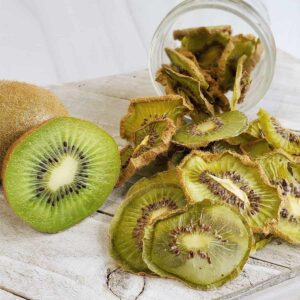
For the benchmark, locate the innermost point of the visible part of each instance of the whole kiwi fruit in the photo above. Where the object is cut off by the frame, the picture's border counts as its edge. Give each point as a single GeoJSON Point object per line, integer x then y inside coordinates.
{"type": "Point", "coordinates": [22, 107]}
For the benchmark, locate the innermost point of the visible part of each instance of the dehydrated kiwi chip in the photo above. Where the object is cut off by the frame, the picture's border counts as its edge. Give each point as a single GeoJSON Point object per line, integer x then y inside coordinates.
{"type": "Point", "coordinates": [204, 246]}
{"type": "Point", "coordinates": [278, 136]}
{"type": "Point", "coordinates": [146, 200]}
{"type": "Point", "coordinates": [60, 173]}
{"type": "Point", "coordinates": [215, 128]}
{"type": "Point", "coordinates": [256, 149]}
{"type": "Point", "coordinates": [143, 110]}
{"type": "Point", "coordinates": [283, 171]}
{"type": "Point", "coordinates": [234, 179]}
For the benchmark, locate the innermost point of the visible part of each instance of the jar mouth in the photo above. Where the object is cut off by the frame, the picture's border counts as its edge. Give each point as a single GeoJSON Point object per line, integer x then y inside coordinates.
{"type": "Point", "coordinates": [239, 10]}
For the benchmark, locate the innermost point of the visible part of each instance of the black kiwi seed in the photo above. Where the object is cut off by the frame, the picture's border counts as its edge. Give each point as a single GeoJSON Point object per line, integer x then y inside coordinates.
{"type": "Point", "coordinates": [65, 144]}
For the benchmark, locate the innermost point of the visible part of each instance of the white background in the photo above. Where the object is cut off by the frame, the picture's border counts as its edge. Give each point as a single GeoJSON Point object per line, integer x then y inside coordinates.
{"type": "Point", "coordinates": [55, 41]}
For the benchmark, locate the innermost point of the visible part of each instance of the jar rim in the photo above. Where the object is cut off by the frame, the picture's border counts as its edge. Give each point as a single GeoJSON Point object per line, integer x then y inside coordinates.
{"type": "Point", "coordinates": [240, 9]}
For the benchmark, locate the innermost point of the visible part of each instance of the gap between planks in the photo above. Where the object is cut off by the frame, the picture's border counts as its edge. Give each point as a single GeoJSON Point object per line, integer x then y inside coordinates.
{"type": "Point", "coordinates": [9, 291]}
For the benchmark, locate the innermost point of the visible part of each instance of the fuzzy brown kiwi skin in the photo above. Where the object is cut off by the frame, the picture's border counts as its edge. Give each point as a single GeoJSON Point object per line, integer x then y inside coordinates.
{"type": "Point", "coordinates": [248, 162]}
{"type": "Point", "coordinates": [35, 106]}
{"type": "Point", "coordinates": [233, 275]}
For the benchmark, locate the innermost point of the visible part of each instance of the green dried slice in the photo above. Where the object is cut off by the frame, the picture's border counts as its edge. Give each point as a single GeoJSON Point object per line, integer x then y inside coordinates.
{"type": "Point", "coordinates": [256, 149]}
{"type": "Point", "coordinates": [221, 146]}
{"type": "Point", "coordinates": [143, 110]}
{"type": "Point", "coordinates": [151, 140]}
{"type": "Point", "coordinates": [283, 171]}
{"type": "Point", "coordinates": [215, 128]}
{"type": "Point", "coordinates": [260, 241]}
{"type": "Point", "coordinates": [278, 136]}
{"type": "Point", "coordinates": [198, 116]}
{"type": "Point", "coordinates": [254, 129]}
{"type": "Point", "coordinates": [187, 65]}
{"type": "Point", "coordinates": [204, 246]}
{"type": "Point", "coordinates": [234, 179]}
{"type": "Point", "coordinates": [240, 139]}
{"type": "Point", "coordinates": [209, 57]}
{"type": "Point", "coordinates": [197, 39]}
{"type": "Point", "coordinates": [241, 83]}
{"type": "Point", "coordinates": [191, 84]}
{"type": "Point", "coordinates": [238, 46]}
{"type": "Point", "coordinates": [147, 200]}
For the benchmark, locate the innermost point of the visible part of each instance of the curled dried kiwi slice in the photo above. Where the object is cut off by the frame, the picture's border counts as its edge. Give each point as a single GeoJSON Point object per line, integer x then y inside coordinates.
{"type": "Point", "coordinates": [187, 65]}
{"type": "Point", "coordinates": [215, 128]}
{"type": "Point", "coordinates": [209, 57]}
{"type": "Point", "coordinates": [234, 179]}
{"type": "Point", "coordinates": [260, 241]}
{"type": "Point", "coordinates": [221, 146]}
{"type": "Point", "coordinates": [254, 129]}
{"type": "Point", "coordinates": [192, 85]}
{"type": "Point", "coordinates": [145, 201]}
{"type": "Point", "coordinates": [238, 46]}
{"type": "Point", "coordinates": [240, 139]}
{"type": "Point", "coordinates": [199, 38]}
{"type": "Point", "coordinates": [278, 136]}
{"type": "Point", "coordinates": [284, 171]}
{"type": "Point", "coordinates": [203, 246]}
{"type": "Point", "coordinates": [143, 110]}
{"type": "Point", "coordinates": [256, 149]}
{"type": "Point", "coordinates": [150, 140]}
{"type": "Point", "coordinates": [241, 83]}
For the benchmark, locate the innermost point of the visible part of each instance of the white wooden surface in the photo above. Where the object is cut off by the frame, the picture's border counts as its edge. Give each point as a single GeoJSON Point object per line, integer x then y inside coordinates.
{"type": "Point", "coordinates": [74, 264]}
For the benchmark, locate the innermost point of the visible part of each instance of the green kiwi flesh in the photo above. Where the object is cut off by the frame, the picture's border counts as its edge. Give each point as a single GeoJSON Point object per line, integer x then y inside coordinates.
{"type": "Point", "coordinates": [234, 179]}
{"type": "Point", "coordinates": [148, 199]}
{"type": "Point", "coordinates": [222, 126]}
{"type": "Point", "coordinates": [284, 172]}
{"type": "Point", "coordinates": [203, 246]}
{"type": "Point", "coordinates": [278, 136]}
{"type": "Point", "coordinates": [60, 173]}
{"type": "Point", "coordinates": [256, 149]}
{"type": "Point", "coordinates": [260, 240]}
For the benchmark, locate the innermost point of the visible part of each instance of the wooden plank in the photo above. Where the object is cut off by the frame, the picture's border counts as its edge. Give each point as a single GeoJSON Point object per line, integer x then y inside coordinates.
{"type": "Point", "coordinates": [6, 295]}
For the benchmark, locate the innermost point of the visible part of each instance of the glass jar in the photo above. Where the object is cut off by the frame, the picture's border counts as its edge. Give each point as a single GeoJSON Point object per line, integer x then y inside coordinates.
{"type": "Point", "coordinates": [246, 17]}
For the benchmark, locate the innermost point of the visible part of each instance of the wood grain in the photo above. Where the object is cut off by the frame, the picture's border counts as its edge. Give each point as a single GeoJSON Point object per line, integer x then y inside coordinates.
{"type": "Point", "coordinates": [75, 264]}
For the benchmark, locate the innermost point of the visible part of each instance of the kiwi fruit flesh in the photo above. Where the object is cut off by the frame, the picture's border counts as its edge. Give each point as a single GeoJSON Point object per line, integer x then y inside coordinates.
{"type": "Point", "coordinates": [256, 149]}
{"type": "Point", "coordinates": [260, 240]}
{"type": "Point", "coordinates": [284, 172]}
{"type": "Point", "coordinates": [22, 107]}
{"type": "Point", "coordinates": [148, 199]}
{"type": "Point", "coordinates": [59, 173]}
{"type": "Point", "coordinates": [203, 246]}
{"type": "Point", "coordinates": [222, 126]}
{"type": "Point", "coordinates": [233, 179]}
{"type": "Point", "coordinates": [278, 136]}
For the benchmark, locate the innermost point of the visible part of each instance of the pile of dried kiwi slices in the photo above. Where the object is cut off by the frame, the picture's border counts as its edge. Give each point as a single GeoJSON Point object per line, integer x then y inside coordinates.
{"type": "Point", "coordinates": [229, 186]}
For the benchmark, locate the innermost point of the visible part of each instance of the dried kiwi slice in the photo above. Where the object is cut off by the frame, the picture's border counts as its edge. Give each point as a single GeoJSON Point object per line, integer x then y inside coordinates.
{"type": "Point", "coordinates": [278, 136]}
{"type": "Point", "coordinates": [176, 158]}
{"type": "Point", "coordinates": [238, 46]}
{"type": "Point", "coordinates": [256, 149]}
{"type": "Point", "coordinates": [192, 85]}
{"type": "Point", "coordinates": [284, 171]}
{"type": "Point", "coordinates": [187, 65]}
{"type": "Point", "coordinates": [150, 140]}
{"type": "Point", "coordinates": [240, 139]}
{"type": "Point", "coordinates": [241, 82]}
{"type": "Point", "coordinates": [234, 179]}
{"type": "Point", "coordinates": [203, 246]}
{"type": "Point", "coordinates": [260, 241]}
{"type": "Point", "coordinates": [254, 129]}
{"type": "Point", "coordinates": [143, 110]}
{"type": "Point", "coordinates": [221, 146]}
{"type": "Point", "coordinates": [215, 128]}
{"type": "Point", "coordinates": [199, 38]}
{"type": "Point", "coordinates": [145, 201]}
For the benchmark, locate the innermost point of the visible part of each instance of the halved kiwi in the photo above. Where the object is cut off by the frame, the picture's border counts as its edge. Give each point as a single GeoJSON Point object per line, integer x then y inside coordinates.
{"type": "Point", "coordinates": [215, 128]}
{"type": "Point", "coordinates": [234, 179]}
{"type": "Point", "coordinates": [59, 173]}
{"type": "Point", "coordinates": [283, 171]}
{"type": "Point", "coordinates": [199, 38]}
{"type": "Point", "coordinates": [148, 199]}
{"type": "Point", "coordinates": [143, 110]}
{"type": "Point", "coordinates": [150, 140]}
{"type": "Point", "coordinates": [203, 246]}
{"type": "Point", "coordinates": [256, 148]}
{"type": "Point", "coordinates": [278, 136]}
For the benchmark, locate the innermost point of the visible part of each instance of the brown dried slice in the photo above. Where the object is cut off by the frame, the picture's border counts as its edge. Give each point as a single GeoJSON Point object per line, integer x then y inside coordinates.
{"type": "Point", "coordinates": [150, 140]}
{"type": "Point", "coordinates": [197, 39]}
{"type": "Point", "coordinates": [187, 65]}
{"type": "Point", "coordinates": [147, 199]}
{"type": "Point", "coordinates": [215, 128]}
{"type": "Point", "coordinates": [192, 85]}
{"type": "Point", "coordinates": [234, 179]}
{"type": "Point", "coordinates": [283, 171]}
{"type": "Point", "coordinates": [256, 148]}
{"type": "Point", "coordinates": [141, 111]}
{"type": "Point", "coordinates": [165, 81]}
{"type": "Point", "coordinates": [209, 58]}
{"type": "Point", "coordinates": [238, 46]}
{"type": "Point", "coordinates": [241, 83]}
